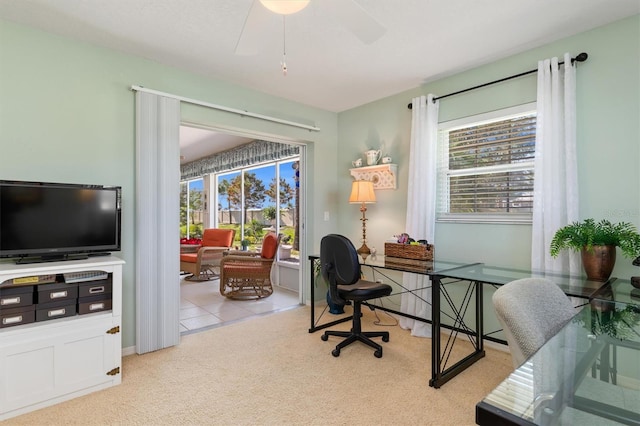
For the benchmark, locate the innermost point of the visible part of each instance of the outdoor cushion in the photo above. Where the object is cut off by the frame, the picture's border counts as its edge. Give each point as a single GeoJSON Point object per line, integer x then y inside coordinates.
{"type": "Point", "coordinates": [215, 237]}
{"type": "Point", "coordinates": [269, 246]}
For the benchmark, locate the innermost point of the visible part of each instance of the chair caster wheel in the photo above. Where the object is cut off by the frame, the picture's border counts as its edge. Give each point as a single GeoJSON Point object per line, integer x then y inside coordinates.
{"type": "Point", "coordinates": [378, 353]}
{"type": "Point", "coordinates": [335, 352]}
{"type": "Point", "coordinates": [385, 338]}
{"type": "Point", "coordinates": [324, 337]}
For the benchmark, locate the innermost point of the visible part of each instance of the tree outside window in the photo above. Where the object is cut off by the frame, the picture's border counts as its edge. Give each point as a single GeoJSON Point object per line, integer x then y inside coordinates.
{"type": "Point", "coordinates": [191, 209]}
{"type": "Point", "coordinates": [246, 204]}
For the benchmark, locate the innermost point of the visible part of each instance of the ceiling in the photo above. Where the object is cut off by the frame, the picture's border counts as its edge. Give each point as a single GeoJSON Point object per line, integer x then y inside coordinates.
{"type": "Point", "coordinates": [197, 143]}
{"type": "Point", "coordinates": [328, 66]}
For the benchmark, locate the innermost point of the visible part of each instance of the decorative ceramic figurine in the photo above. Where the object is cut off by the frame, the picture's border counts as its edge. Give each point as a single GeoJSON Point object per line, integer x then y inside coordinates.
{"type": "Point", "coordinates": [357, 163]}
{"type": "Point", "coordinates": [386, 160]}
{"type": "Point", "coordinates": [373, 156]}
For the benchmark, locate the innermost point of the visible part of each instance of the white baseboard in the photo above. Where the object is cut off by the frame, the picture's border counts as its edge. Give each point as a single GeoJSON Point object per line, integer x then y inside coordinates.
{"type": "Point", "coordinates": [131, 350]}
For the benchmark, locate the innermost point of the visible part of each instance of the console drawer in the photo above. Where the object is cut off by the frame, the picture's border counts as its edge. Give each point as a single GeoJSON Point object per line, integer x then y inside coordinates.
{"type": "Point", "coordinates": [88, 305]}
{"type": "Point", "coordinates": [93, 288]}
{"type": "Point", "coordinates": [12, 297]}
{"type": "Point", "coordinates": [48, 293]}
{"type": "Point", "coordinates": [17, 316]}
{"type": "Point", "coordinates": [61, 309]}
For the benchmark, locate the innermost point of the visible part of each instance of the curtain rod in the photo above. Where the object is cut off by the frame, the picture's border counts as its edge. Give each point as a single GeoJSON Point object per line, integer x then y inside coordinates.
{"type": "Point", "coordinates": [227, 109]}
{"type": "Point", "coordinates": [580, 58]}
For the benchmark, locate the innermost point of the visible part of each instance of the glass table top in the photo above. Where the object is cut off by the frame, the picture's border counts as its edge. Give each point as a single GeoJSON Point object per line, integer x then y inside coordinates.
{"type": "Point", "coordinates": [425, 267]}
{"type": "Point", "coordinates": [577, 286]}
{"type": "Point", "coordinates": [619, 291]}
{"type": "Point", "coordinates": [588, 373]}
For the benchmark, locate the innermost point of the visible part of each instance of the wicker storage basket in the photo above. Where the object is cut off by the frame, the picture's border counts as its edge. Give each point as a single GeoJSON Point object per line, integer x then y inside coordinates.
{"type": "Point", "coordinates": [408, 251]}
{"type": "Point", "coordinates": [408, 265]}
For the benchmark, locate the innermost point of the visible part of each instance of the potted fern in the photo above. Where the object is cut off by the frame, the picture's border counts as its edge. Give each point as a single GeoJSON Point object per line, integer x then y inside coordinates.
{"type": "Point", "coordinates": [597, 242]}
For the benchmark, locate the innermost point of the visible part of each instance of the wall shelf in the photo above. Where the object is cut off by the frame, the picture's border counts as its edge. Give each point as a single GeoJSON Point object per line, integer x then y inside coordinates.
{"type": "Point", "coordinates": [383, 176]}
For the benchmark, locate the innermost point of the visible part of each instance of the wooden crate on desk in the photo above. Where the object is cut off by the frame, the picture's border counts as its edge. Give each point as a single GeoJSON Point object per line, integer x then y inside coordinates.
{"type": "Point", "coordinates": [408, 251]}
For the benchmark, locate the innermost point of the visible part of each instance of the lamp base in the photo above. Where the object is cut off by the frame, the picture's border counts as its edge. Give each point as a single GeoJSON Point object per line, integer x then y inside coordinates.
{"type": "Point", "coordinates": [363, 249]}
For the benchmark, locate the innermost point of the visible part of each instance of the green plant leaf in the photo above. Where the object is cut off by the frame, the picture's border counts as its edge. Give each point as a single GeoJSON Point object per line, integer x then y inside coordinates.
{"type": "Point", "coordinates": [589, 233]}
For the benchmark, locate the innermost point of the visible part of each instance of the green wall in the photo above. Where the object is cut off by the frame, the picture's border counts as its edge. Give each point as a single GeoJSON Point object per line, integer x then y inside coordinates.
{"type": "Point", "coordinates": [67, 114]}
{"type": "Point", "coordinates": [608, 131]}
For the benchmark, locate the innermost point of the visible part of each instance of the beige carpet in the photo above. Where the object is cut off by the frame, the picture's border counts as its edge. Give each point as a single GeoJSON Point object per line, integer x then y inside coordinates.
{"type": "Point", "coordinates": [270, 370]}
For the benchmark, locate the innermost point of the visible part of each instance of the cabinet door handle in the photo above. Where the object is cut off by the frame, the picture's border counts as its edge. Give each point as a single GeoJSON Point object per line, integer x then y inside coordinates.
{"type": "Point", "coordinates": [96, 306]}
{"type": "Point", "coordinates": [10, 301]}
{"type": "Point", "coordinates": [58, 294]}
{"type": "Point", "coordinates": [93, 290]}
{"type": "Point", "coordinates": [12, 320]}
{"type": "Point", "coordinates": [56, 312]}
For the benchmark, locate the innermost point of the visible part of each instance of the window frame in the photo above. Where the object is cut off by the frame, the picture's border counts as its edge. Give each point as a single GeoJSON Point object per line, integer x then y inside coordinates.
{"type": "Point", "coordinates": [277, 164]}
{"type": "Point", "coordinates": [189, 190]}
{"type": "Point", "coordinates": [443, 172]}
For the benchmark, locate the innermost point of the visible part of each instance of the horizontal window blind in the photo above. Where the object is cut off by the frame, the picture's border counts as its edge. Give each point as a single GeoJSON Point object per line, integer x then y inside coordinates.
{"type": "Point", "coordinates": [488, 167]}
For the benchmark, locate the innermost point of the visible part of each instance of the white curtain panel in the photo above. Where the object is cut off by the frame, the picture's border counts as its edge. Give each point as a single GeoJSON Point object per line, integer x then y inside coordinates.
{"type": "Point", "coordinates": [157, 235]}
{"type": "Point", "coordinates": [555, 201]}
{"type": "Point", "coordinates": [421, 208]}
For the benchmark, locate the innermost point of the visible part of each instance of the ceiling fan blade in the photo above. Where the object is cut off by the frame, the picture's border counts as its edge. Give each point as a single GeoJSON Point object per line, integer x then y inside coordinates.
{"type": "Point", "coordinates": [249, 39]}
{"type": "Point", "coordinates": [356, 19]}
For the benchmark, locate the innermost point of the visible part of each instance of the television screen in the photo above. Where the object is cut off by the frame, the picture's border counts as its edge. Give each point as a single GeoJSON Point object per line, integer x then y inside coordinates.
{"type": "Point", "coordinates": [58, 220]}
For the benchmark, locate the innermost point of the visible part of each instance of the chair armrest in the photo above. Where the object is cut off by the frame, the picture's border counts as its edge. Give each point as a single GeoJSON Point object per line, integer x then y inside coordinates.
{"type": "Point", "coordinates": [209, 252]}
{"type": "Point", "coordinates": [244, 259]}
{"type": "Point", "coordinates": [207, 249]}
{"type": "Point", "coordinates": [242, 253]}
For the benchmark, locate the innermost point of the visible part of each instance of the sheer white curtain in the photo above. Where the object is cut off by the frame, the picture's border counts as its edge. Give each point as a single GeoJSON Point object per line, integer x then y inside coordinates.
{"type": "Point", "coordinates": [157, 210]}
{"type": "Point", "coordinates": [421, 207]}
{"type": "Point", "coordinates": [555, 202]}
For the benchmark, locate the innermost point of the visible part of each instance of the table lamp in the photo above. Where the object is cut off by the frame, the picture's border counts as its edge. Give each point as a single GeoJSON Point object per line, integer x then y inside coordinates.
{"type": "Point", "coordinates": [362, 192]}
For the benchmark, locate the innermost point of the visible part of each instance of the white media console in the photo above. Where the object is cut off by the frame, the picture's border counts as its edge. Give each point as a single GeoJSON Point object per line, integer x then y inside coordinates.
{"type": "Point", "coordinates": [69, 343]}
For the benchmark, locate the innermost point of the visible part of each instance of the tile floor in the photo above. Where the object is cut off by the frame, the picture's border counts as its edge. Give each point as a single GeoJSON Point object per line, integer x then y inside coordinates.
{"type": "Point", "coordinates": [202, 306]}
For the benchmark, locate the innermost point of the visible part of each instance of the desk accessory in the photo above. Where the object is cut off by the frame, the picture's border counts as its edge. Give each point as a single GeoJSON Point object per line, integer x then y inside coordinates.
{"type": "Point", "coordinates": [362, 192]}
{"type": "Point", "coordinates": [409, 251]}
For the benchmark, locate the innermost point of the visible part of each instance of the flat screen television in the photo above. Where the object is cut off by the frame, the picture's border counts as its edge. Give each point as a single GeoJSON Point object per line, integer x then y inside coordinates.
{"type": "Point", "coordinates": [42, 221]}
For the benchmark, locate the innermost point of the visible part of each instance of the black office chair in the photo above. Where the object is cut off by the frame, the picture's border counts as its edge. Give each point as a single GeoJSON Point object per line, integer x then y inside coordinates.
{"type": "Point", "coordinates": [341, 269]}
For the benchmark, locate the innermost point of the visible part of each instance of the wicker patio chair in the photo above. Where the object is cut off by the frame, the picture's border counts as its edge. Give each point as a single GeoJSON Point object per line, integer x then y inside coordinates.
{"type": "Point", "coordinates": [247, 275]}
{"type": "Point", "coordinates": [201, 264]}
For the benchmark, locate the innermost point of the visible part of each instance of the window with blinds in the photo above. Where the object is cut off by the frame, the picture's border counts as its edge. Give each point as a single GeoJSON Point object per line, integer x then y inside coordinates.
{"type": "Point", "coordinates": [486, 167]}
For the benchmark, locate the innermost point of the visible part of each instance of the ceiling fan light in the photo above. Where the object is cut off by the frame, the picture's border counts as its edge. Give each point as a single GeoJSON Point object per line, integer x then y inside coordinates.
{"type": "Point", "coordinates": [285, 7]}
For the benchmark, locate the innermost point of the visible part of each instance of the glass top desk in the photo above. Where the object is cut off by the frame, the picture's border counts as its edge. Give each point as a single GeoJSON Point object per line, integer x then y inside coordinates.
{"type": "Point", "coordinates": [473, 277]}
{"type": "Point", "coordinates": [378, 262]}
{"type": "Point", "coordinates": [446, 275]}
{"type": "Point", "coordinates": [559, 385]}
{"type": "Point", "coordinates": [618, 290]}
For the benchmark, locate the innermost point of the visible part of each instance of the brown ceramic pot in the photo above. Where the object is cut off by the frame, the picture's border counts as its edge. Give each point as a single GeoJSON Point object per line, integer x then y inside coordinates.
{"type": "Point", "coordinates": [598, 262]}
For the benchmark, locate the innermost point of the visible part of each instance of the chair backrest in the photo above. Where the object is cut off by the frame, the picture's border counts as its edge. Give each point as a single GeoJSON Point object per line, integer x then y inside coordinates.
{"type": "Point", "coordinates": [270, 245]}
{"type": "Point", "coordinates": [531, 311]}
{"type": "Point", "coordinates": [216, 237]}
{"type": "Point", "coordinates": [339, 263]}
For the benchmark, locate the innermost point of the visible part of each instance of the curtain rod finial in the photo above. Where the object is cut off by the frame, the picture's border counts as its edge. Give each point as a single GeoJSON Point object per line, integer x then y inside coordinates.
{"type": "Point", "coordinates": [581, 57]}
